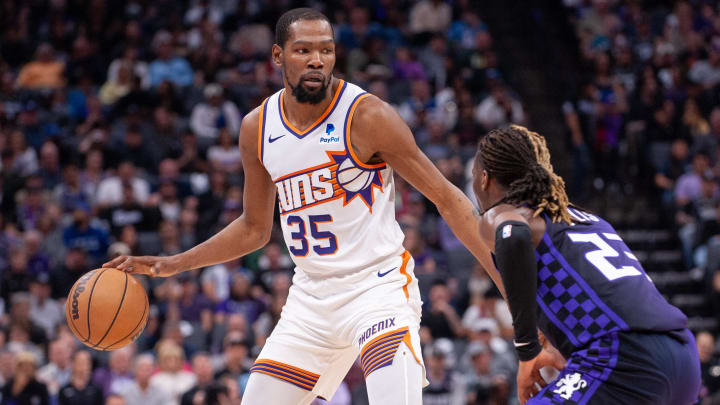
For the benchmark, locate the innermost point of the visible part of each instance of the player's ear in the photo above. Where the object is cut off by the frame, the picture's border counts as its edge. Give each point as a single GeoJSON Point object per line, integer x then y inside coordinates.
{"type": "Point", "coordinates": [276, 54]}
{"type": "Point", "coordinates": [484, 180]}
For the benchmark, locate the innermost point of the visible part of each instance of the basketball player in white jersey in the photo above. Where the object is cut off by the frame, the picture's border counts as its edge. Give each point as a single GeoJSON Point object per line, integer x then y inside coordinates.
{"type": "Point", "coordinates": [326, 149]}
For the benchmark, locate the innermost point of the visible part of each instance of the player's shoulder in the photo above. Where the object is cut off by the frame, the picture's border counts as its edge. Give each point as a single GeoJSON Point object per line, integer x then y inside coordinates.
{"type": "Point", "coordinates": [372, 113]}
{"type": "Point", "coordinates": [249, 129]}
{"type": "Point", "coordinates": [251, 120]}
{"type": "Point", "coordinates": [496, 216]}
{"type": "Point", "coordinates": [371, 105]}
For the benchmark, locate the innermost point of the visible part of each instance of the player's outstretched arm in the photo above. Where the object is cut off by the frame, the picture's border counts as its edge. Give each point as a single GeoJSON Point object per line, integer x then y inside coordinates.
{"type": "Point", "coordinates": [246, 234]}
{"type": "Point", "coordinates": [378, 129]}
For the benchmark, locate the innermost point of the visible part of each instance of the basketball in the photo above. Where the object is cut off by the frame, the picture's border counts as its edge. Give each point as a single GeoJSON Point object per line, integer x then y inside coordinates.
{"type": "Point", "coordinates": [351, 178]}
{"type": "Point", "coordinates": [107, 309]}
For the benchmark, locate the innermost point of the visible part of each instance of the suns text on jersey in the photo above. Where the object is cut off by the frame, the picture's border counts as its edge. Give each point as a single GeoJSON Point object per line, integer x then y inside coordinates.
{"type": "Point", "coordinates": [308, 187]}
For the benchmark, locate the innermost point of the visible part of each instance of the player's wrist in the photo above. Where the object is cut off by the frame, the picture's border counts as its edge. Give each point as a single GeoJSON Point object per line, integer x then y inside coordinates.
{"type": "Point", "coordinates": [175, 265]}
{"type": "Point", "coordinates": [526, 351]}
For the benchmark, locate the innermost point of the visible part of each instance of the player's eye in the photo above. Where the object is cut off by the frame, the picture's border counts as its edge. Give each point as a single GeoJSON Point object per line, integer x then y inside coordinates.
{"type": "Point", "coordinates": [302, 50]}
{"type": "Point", "coordinates": [327, 50]}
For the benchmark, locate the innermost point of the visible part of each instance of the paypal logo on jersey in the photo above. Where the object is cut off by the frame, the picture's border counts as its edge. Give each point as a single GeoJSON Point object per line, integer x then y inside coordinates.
{"type": "Point", "coordinates": [327, 138]}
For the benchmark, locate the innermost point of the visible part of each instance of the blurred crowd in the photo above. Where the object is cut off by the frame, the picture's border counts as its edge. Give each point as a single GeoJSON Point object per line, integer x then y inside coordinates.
{"type": "Point", "coordinates": [118, 134]}
{"type": "Point", "coordinates": [651, 105]}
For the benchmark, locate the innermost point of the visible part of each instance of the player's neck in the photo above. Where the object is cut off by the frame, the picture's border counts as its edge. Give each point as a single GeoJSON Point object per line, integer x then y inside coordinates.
{"type": "Point", "coordinates": [302, 115]}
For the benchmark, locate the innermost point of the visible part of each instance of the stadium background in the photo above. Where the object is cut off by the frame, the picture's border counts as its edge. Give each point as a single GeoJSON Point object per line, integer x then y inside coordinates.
{"type": "Point", "coordinates": [118, 126]}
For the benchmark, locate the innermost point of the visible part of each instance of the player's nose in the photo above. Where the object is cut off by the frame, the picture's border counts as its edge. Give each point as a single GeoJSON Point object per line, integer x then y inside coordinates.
{"type": "Point", "coordinates": [315, 62]}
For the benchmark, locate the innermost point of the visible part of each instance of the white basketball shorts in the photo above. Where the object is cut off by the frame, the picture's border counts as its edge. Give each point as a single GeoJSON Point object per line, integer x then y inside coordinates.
{"type": "Point", "coordinates": [326, 324]}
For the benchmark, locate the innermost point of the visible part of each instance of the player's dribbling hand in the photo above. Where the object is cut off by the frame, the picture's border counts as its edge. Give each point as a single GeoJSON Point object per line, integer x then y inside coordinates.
{"type": "Point", "coordinates": [529, 372]}
{"type": "Point", "coordinates": [153, 266]}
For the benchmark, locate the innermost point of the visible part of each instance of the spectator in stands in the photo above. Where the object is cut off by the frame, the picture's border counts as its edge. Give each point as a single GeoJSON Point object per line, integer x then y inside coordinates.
{"type": "Point", "coordinates": [70, 193]}
{"type": "Point", "coordinates": [440, 316]}
{"type": "Point", "coordinates": [235, 356]}
{"type": "Point", "coordinates": [117, 376]}
{"type": "Point", "coordinates": [84, 235]}
{"type": "Point", "coordinates": [140, 391]}
{"type": "Point", "coordinates": [432, 16]}
{"type": "Point", "coordinates": [92, 173]}
{"type": "Point", "coordinates": [169, 239]}
{"type": "Point", "coordinates": [242, 298]}
{"type": "Point", "coordinates": [707, 72]}
{"type": "Point", "coordinates": [136, 67]}
{"type": "Point", "coordinates": [44, 72]}
{"type": "Point", "coordinates": [17, 279]}
{"type": "Point", "coordinates": [135, 148]}
{"type": "Point", "coordinates": [80, 390]}
{"type": "Point", "coordinates": [7, 365]}
{"type": "Point", "coordinates": [671, 170]}
{"type": "Point", "coordinates": [191, 160]}
{"type": "Point", "coordinates": [168, 66]}
{"type": "Point", "coordinates": [484, 377]}
{"type": "Point", "coordinates": [446, 386]}
{"type": "Point", "coordinates": [119, 86]}
{"type": "Point", "coordinates": [689, 185]}
{"type": "Point", "coordinates": [499, 109]}
{"type": "Point", "coordinates": [225, 156]}
{"type": "Point", "coordinates": [130, 212]}
{"type": "Point", "coordinates": [172, 378]}
{"type": "Point", "coordinates": [487, 332]}
{"type": "Point", "coordinates": [23, 387]}
{"type": "Point", "coordinates": [50, 165]}
{"type": "Point", "coordinates": [57, 372]}
{"type": "Point", "coordinates": [44, 310]}
{"type": "Point", "coordinates": [110, 190]}
{"type": "Point", "coordinates": [25, 161]}
{"type": "Point", "coordinates": [30, 336]}
{"type": "Point", "coordinates": [75, 265]}
{"type": "Point", "coordinates": [166, 200]}
{"type": "Point", "coordinates": [38, 261]}
{"type": "Point", "coordinates": [84, 63]}
{"type": "Point", "coordinates": [710, 368]}
{"type": "Point", "coordinates": [32, 202]}
{"type": "Point", "coordinates": [215, 281]}
{"type": "Point", "coordinates": [202, 368]}
{"type": "Point", "coordinates": [208, 118]}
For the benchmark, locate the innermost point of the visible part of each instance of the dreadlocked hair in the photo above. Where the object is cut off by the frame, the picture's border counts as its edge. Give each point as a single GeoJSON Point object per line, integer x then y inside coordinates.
{"type": "Point", "coordinates": [520, 161]}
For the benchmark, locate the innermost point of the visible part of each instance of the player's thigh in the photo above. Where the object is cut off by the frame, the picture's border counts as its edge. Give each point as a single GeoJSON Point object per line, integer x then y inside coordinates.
{"type": "Point", "coordinates": [304, 360]}
{"type": "Point", "coordinates": [263, 389]}
{"type": "Point", "coordinates": [622, 369]}
{"type": "Point", "coordinates": [398, 383]}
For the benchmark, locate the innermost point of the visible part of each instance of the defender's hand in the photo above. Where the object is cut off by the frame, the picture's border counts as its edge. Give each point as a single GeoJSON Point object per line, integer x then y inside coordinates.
{"type": "Point", "coordinates": [153, 266]}
{"type": "Point", "coordinates": [529, 372]}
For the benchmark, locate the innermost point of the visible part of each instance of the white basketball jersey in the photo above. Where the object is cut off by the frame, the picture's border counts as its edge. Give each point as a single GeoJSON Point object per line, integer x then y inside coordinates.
{"type": "Point", "coordinates": [337, 214]}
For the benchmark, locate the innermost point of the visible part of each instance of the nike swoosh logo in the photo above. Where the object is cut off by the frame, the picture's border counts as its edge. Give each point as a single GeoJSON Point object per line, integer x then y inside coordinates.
{"type": "Point", "coordinates": [271, 139]}
{"type": "Point", "coordinates": [384, 274]}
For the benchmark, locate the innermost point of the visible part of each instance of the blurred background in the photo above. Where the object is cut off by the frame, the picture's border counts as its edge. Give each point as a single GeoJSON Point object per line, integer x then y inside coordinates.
{"type": "Point", "coordinates": [118, 134]}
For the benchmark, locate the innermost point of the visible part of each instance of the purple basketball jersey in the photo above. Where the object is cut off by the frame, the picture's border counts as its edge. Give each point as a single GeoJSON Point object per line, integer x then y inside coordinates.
{"type": "Point", "coordinates": [590, 284]}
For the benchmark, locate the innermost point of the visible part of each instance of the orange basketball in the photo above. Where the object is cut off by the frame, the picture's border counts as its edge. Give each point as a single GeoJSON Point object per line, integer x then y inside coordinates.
{"type": "Point", "coordinates": [107, 309]}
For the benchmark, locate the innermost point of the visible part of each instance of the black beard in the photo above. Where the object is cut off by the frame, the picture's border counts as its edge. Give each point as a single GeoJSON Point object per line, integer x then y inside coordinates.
{"type": "Point", "coordinates": [303, 95]}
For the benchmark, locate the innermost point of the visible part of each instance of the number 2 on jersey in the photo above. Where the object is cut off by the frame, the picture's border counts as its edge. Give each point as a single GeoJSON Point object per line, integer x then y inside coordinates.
{"type": "Point", "coordinates": [301, 236]}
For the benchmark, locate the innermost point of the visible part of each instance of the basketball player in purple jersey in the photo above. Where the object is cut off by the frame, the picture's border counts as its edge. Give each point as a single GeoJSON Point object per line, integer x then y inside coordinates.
{"type": "Point", "coordinates": [568, 273]}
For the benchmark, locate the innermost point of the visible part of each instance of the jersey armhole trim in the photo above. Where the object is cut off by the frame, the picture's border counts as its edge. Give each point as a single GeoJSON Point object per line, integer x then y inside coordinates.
{"type": "Point", "coordinates": [346, 131]}
{"type": "Point", "coordinates": [261, 130]}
